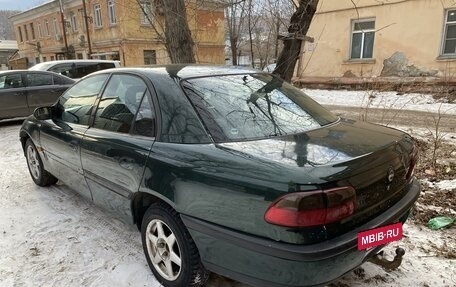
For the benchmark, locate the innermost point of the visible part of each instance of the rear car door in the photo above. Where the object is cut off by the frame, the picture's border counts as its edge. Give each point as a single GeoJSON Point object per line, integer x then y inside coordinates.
{"type": "Point", "coordinates": [43, 89]}
{"type": "Point", "coordinates": [61, 137]}
{"type": "Point", "coordinates": [13, 99]}
{"type": "Point", "coordinates": [114, 150]}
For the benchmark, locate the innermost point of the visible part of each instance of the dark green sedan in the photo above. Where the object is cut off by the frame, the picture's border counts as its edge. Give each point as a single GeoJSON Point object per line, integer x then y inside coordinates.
{"type": "Point", "coordinates": [227, 170]}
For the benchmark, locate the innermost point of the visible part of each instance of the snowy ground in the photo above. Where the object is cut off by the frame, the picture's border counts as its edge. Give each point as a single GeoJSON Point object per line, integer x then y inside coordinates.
{"type": "Point", "coordinates": [53, 237]}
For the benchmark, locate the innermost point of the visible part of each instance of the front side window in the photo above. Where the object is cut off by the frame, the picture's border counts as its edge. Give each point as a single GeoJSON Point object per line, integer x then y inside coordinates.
{"type": "Point", "coordinates": [146, 12]}
{"type": "Point", "coordinates": [112, 12]}
{"type": "Point", "coordinates": [97, 15]}
{"type": "Point", "coordinates": [449, 41]}
{"type": "Point", "coordinates": [362, 41]}
{"type": "Point", "coordinates": [240, 107]}
{"type": "Point", "coordinates": [76, 104]}
{"type": "Point", "coordinates": [119, 103]}
{"type": "Point", "coordinates": [11, 81]}
{"type": "Point", "coordinates": [36, 79]}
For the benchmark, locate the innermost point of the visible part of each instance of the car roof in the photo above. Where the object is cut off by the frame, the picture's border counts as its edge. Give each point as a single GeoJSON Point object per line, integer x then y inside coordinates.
{"type": "Point", "coordinates": [183, 71]}
{"type": "Point", "coordinates": [49, 64]}
{"type": "Point", "coordinates": [29, 71]}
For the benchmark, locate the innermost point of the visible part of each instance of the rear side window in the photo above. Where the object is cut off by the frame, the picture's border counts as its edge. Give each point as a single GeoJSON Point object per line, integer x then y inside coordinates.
{"type": "Point", "coordinates": [36, 79]}
{"type": "Point", "coordinates": [84, 69]}
{"type": "Point", "coordinates": [76, 104]}
{"type": "Point", "coordinates": [68, 70]}
{"type": "Point", "coordinates": [119, 103]}
{"type": "Point", "coordinates": [80, 69]}
{"type": "Point", "coordinates": [144, 124]}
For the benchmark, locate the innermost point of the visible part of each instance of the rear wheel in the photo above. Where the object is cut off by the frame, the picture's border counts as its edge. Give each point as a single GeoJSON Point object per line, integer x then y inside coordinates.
{"type": "Point", "coordinates": [39, 175]}
{"type": "Point", "coordinates": [170, 251]}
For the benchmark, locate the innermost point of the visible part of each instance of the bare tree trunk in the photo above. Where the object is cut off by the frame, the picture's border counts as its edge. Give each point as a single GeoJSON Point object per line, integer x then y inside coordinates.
{"type": "Point", "coordinates": [299, 24]}
{"type": "Point", "coordinates": [252, 56]}
{"type": "Point", "coordinates": [179, 42]}
{"type": "Point", "coordinates": [234, 51]}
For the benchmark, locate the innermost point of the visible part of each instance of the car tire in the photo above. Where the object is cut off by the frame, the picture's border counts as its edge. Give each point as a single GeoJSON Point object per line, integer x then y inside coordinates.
{"type": "Point", "coordinates": [170, 251]}
{"type": "Point", "coordinates": [35, 166]}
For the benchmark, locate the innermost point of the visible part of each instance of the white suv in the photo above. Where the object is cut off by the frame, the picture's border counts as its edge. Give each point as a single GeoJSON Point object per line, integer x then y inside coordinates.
{"type": "Point", "coordinates": [75, 69]}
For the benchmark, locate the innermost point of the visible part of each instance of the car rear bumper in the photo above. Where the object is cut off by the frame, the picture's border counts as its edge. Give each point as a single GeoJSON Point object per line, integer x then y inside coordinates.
{"type": "Point", "coordinates": [262, 262]}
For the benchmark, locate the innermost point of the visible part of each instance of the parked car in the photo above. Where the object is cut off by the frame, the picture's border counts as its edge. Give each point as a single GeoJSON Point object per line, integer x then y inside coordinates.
{"type": "Point", "coordinates": [22, 91]}
{"type": "Point", "coordinates": [228, 170]}
{"type": "Point", "coordinates": [75, 69]}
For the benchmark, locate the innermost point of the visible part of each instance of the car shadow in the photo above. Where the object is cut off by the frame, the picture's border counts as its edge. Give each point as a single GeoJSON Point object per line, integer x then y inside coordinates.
{"type": "Point", "coordinates": [11, 122]}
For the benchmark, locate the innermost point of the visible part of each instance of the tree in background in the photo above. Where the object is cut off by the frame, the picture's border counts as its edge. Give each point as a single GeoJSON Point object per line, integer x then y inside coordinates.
{"type": "Point", "coordinates": [253, 27]}
{"type": "Point", "coordinates": [299, 24]}
{"type": "Point", "coordinates": [235, 13]}
{"type": "Point", "coordinates": [176, 35]}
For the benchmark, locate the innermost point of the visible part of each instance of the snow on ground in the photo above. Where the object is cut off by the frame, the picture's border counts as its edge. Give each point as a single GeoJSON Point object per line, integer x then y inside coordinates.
{"type": "Point", "coordinates": [53, 237]}
{"type": "Point", "coordinates": [381, 100]}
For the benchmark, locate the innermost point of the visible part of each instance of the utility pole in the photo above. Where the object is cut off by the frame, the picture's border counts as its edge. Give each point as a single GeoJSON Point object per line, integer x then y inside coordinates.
{"type": "Point", "coordinates": [87, 28]}
{"type": "Point", "coordinates": [64, 29]}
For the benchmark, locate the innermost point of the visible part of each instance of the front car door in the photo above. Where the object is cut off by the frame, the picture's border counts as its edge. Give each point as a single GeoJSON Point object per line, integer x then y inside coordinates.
{"type": "Point", "coordinates": [115, 149]}
{"type": "Point", "coordinates": [13, 99]}
{"type": "Point", "coordinates": [61, 137]}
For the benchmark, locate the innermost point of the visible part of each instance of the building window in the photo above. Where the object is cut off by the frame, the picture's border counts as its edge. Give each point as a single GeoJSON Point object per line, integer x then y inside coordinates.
{"type": "Point", "coordinates": [19, 31]}
{"type": "Point", "coordinates": [362, 42]}
{"type": "Point", "coordinates": [32, 30]}
{"type": "Point", "coordinates": [112, 12]}
{"type": "Point", "coordinates": [26, 33]}
{"type": "Point", "coordinates": [449, 41]}
{"type": "Point", "coordinates": [40, 32]}
{"type": "Point", "coordinates": [46, 27]}
{"type": "Point", "coordinates": [56, 29]}
{"type": "Point", "coordinates": [150, 57]}
{"type": "Point", "coordinates": [73, 22]}
{"type": "Point", "coordinates": [97, 15]}
{"type": "Point", "coordinates": [146, 12]}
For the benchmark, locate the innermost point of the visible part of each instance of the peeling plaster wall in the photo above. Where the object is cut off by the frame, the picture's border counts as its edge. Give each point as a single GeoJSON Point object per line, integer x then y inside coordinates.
{"type": "Point", "coordinates": [413, 28]}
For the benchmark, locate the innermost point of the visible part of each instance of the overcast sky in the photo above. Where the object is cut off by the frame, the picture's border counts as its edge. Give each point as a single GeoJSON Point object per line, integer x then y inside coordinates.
{"type": "Point", "coordinates": [19, 4]}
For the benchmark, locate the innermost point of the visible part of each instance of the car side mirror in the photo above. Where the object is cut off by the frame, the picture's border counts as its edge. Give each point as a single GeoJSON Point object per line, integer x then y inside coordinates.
{"type": "Point", "coordinates": [43, 113]}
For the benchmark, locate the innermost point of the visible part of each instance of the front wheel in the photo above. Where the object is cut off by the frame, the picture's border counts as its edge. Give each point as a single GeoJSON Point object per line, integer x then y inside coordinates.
{"type": "Point", "coordinates": [170, 251]}
{"type": "Point", "coordinates": [39, 175]}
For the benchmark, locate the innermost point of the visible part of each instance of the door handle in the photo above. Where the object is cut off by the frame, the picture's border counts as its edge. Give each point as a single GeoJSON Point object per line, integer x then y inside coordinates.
{"type": "Point", "coordinates": [127, 163]}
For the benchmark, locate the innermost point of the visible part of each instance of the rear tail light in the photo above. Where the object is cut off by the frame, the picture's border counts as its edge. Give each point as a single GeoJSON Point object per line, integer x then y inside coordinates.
{"type": "Point", "coordinates": [412, 164]}
{"type": "Point", "coordinates": [312, 208]}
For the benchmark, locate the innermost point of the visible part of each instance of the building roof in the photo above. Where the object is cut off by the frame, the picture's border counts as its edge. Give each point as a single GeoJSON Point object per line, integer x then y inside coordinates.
{"type": "Point", "coordinates": [8, 45]}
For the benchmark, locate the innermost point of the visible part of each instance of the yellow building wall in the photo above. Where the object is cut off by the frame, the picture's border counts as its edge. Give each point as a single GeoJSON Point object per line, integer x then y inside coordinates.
{"type": "Point", "coordinates": [414, 28]}
{"type": "Point", "coordinates": [128, 36]}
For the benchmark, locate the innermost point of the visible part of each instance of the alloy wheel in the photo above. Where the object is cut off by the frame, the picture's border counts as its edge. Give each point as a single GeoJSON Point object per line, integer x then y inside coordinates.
{"type": "Point", "coordinates": [33, 162]}
{"type": "Point", "coordinates": [163, 250]}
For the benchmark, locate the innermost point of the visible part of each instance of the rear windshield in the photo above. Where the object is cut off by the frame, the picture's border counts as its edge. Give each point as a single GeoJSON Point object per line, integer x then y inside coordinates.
{"type": "Point", "coordinates": [253, 106]}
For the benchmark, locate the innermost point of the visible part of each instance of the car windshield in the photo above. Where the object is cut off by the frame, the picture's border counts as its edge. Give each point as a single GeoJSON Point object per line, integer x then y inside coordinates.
{"type": "Point", "coordinates": [253, 106]}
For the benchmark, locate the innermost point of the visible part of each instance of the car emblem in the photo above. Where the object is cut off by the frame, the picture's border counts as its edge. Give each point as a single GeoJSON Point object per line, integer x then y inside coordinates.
{"type": "Point", "coordinates": [390, 174]}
